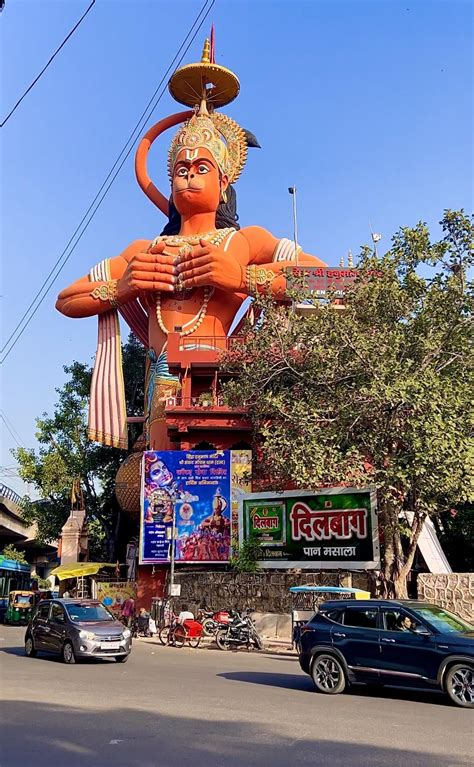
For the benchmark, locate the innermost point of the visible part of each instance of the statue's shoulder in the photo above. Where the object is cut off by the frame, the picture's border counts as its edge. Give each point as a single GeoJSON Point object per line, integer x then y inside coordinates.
{"type": "Point", "coordinates": [262, 243]}
{"type": "Point", "coordinates": [256, 233]}
{"type": "Point", "coordinates": [137, 246]}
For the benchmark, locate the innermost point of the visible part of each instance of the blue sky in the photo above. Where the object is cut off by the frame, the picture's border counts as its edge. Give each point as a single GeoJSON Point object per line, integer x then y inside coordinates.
{"type": "Point", "coordinates": [365, 106]}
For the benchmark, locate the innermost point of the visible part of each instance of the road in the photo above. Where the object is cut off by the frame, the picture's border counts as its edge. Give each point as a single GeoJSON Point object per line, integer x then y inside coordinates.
{"type": "Point", "coordinates": [171, 707]}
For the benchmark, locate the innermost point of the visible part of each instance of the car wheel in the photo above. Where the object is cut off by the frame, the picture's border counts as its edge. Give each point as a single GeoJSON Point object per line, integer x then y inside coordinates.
{"type": "Point", "coordinates": [328, 674]}
{"type": "Point", "coordinates": [121, 658]}
{"type": "Point", "coordinates": [30, 651]}
{"type": "Point", "coordinates": [459, 684]}
{"type": "Point", "coordinates": [68, 653]}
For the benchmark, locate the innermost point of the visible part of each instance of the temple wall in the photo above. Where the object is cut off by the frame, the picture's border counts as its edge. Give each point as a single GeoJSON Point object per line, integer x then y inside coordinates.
{"type": "Point", "coordinates": [453, 591]}
{"type": "Point", "coordinates": [263, 592]}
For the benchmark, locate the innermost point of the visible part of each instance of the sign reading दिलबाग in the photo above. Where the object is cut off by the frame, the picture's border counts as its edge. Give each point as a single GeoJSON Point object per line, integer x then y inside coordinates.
{"type": "Point", "coordinates": [331, 529]}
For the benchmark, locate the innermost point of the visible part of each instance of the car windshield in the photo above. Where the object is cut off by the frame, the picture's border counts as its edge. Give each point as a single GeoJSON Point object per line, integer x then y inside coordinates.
{"type": "Point", "coordinates": [444, 621]}
{"type": "Point", "coordinates": [80, 613]}
{"type": "Point", "coordinates": [23, 600]}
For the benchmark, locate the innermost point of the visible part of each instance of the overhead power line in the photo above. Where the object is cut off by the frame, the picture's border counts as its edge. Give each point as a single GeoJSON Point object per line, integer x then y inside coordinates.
{"type": "Point", "coordinates": [12, 428]}
{"type": "Point", "coordinates": [107, 183]}
{"type": "Point", "coordinates": [47, 65]}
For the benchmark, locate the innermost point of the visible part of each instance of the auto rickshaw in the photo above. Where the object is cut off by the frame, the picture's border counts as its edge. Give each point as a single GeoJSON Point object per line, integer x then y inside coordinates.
{"type": "Point", "coordinates": [20, 607]}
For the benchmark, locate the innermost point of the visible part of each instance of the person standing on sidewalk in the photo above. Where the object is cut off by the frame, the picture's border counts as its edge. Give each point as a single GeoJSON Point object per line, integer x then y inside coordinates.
{"type": "Point", "coordinates": [128, 611]}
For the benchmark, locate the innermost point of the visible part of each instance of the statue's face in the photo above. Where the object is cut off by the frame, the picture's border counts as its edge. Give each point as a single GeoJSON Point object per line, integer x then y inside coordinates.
{"type": "Point", "coordinates": [197, 184]}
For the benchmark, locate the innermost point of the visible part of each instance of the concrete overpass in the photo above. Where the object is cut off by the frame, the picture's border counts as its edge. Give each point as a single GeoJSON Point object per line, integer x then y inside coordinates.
{"type": "Point", "coordinates": [13, 529]}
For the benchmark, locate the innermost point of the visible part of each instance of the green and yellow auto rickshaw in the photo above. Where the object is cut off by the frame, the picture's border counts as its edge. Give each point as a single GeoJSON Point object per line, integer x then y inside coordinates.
{"type": "Point", "coordinates": [20, 607]}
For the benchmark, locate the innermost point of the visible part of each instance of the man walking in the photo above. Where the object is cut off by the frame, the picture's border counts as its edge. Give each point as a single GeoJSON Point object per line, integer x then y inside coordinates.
{"type": "Point", "coordinates": [128, 611]}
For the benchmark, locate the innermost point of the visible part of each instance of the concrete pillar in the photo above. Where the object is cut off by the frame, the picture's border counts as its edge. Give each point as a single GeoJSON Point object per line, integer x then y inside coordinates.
{"type": "Point", "coordinates": [74, 538]}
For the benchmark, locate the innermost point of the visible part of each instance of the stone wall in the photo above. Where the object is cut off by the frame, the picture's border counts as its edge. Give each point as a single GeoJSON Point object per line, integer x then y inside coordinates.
{"type": "Point", "coordinates": [265, 592]}
{"type": "Point", "coordinates": [454, 591]}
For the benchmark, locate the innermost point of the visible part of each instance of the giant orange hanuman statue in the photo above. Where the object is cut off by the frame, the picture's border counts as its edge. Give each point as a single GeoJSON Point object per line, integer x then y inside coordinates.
{"type": "Point", "coordinates": [194, 277]}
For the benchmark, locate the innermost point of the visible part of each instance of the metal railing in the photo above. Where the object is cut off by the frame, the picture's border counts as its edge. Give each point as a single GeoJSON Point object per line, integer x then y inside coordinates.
{"type": "Point", "coordinates": [209, 343]}
{"type": "Point", "coordinates": [201, 401]}
{"type": "Point", "coordinates": [10, 494]}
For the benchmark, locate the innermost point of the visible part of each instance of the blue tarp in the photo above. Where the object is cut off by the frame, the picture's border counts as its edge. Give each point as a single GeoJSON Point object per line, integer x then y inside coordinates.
{"type": "Point", "coordinates": [12, 564]}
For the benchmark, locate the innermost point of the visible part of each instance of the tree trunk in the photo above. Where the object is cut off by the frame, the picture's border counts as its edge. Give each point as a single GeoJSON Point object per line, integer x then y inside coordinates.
{"type": "Point", "coordinates": [397, 565]}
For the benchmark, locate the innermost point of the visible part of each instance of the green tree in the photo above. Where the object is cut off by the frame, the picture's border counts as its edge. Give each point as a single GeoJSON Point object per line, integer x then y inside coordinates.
{"type": "Point", "coordinates": [65, 453]}
{"type": "Point", "coordinates": [456, 533]}
{"type": "Point", "coordinates": [378, 392]}
{"type": "Point", "coordinates": [246, 557]}
{"type": "Point", "coordinates": [11, 552]}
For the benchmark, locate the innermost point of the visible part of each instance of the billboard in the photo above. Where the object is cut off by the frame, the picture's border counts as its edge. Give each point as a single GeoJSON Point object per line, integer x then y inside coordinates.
{"type": "Point", "coordinates": [114, 594]}
{"type": "Point", "coordinates": [319, 280]}
{"type": "Point", "coordinates": [200, 489]}
{"type": "Point", "coordinates": [335, 528]}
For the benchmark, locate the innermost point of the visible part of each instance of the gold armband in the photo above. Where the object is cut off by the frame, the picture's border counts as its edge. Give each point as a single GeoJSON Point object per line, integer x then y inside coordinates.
{"type": "Point", "coordinates": [258, 276]}
{"type": "Point", "coordinates": [107, 292]}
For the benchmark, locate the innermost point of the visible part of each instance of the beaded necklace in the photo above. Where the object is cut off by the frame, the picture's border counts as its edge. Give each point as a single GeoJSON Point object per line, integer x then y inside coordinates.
{"type": "Point", "coordinates": [185, 243]}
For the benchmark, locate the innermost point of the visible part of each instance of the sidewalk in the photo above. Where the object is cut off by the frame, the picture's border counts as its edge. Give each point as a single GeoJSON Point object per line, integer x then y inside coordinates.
{"type": "Point", "coordinates": [271, 645]}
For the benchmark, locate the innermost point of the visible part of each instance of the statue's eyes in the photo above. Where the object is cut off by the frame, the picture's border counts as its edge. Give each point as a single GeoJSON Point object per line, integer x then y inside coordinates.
{"type": "Point", "coordinates": [182, 172]}
{"type": "Point", "coordinates": [203, 169]}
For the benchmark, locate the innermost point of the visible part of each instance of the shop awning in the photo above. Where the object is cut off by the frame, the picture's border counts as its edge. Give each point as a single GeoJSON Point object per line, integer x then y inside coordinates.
{"type": "Point", "coordinates": [79, 569]}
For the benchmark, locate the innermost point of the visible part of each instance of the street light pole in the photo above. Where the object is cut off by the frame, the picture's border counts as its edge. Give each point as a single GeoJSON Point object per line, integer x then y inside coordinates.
{"type": "Point", "coordinates": [292, 191]}
{"type": "Point", "coordinates": [375, 239]}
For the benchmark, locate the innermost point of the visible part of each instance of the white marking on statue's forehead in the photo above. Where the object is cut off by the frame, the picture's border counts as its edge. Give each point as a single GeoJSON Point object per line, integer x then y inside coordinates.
{"type": "Point", "coordinates": [191, 154]}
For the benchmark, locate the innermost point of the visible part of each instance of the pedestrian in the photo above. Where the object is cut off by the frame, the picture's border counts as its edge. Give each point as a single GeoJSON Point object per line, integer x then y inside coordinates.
{"type": "Point", "coordinates": [128, 611]}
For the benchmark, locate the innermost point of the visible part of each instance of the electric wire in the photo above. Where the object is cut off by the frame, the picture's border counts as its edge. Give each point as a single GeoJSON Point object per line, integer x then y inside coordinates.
{"type": "Point", "coordinates": [8, 429]}
{"type": "Point", "coordinates": [138, 127]}
{"type": "Point", "coordinates": [8, 422]}
{"type": "Point", "coordinates": [47, 65]}
{"type": "Point", "coordinates": [97, 201]}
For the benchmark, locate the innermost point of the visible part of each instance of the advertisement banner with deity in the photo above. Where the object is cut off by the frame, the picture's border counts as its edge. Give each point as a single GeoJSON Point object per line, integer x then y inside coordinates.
{"type": "Point", "coordinates": [114, 594]}
{"type": "Point", "coordinates": [332, 529]}
{"type": "Point", "coordinates": [199, 487]}
{"type": "Point", "coordinates": [241, 482]}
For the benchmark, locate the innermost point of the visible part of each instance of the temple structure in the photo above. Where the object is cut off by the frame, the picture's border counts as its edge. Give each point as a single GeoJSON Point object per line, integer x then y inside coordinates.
{"type": "Point", "coordinates": [182, 293]}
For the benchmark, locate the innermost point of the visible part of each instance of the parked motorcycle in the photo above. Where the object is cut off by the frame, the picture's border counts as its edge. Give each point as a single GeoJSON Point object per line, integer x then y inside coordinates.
{"type": "Point", "coordinates": [213, 621]}
{"type": "Point", "coordinates": [239, 632]}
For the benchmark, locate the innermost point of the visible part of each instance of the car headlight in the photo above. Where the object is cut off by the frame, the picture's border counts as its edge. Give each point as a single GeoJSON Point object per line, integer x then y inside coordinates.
{"type": "Point", "coordinates": [127, 634]}
{"type": "Point", "coordinates": [86, 635]}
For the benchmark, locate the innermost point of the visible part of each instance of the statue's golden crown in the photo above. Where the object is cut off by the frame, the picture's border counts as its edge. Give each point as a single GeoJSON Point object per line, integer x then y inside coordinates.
{"type": "Point", "coordinates": [217, 133]}
{"type": "Point", "coordinates": [204, 85]}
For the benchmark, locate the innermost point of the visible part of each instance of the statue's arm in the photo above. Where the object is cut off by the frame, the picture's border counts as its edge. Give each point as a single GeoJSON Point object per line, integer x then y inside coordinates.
{"type": "Point", "coordinates": [265, 272]}
{"type": "Point", "coordinates": [263, 247]}
{"type": "Point", "coordinates": [254, 262]}
{"type": "Point", "coordinates": [133, 271]}
{"type": "Point", "coordinates": [77, 300]}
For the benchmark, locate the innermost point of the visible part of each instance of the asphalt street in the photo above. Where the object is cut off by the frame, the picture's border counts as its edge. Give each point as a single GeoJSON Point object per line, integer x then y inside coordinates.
{"type": "Point", "coordinates": [172, 707]}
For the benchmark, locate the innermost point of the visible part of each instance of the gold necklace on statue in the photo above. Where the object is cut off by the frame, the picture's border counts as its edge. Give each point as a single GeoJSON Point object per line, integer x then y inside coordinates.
{"type": "Point", "coordinates": [215, 237]}
{"type": "Point", "coordinates": [185, 244]}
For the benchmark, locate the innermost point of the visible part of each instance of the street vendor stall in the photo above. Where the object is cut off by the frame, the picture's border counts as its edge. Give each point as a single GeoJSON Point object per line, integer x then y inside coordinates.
{"type": "Point", "coordinates": [78, 571]}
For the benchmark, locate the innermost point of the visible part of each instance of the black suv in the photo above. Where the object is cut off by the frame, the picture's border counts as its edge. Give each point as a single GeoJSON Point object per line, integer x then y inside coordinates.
{"type": "Point", "coordinates": [400, 643]}
{"type": "Point", "coordinates": [77, 628]}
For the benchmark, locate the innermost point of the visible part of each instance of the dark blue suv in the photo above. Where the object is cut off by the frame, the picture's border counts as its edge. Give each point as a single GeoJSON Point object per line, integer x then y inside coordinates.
{"type": "Point", "coordinates": [400, 643]}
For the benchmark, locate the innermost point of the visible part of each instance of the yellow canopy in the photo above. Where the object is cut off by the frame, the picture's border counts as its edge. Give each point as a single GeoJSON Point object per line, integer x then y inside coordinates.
{"type": "Point", "coordinates": [79, 569]}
